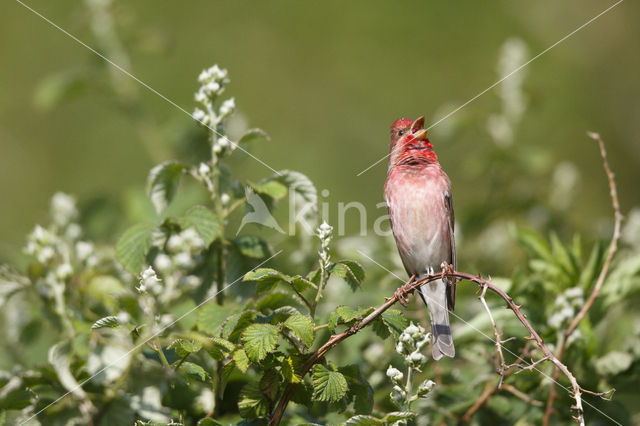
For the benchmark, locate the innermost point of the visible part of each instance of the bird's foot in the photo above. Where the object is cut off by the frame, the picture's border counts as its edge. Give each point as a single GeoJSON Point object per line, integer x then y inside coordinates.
{"type": "Point", "coordinates": [401, 293]}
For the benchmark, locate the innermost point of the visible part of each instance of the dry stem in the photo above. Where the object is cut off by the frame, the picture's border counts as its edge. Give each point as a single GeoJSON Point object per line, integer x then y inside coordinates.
{"type": "Point", "coordinates": [613, 247]}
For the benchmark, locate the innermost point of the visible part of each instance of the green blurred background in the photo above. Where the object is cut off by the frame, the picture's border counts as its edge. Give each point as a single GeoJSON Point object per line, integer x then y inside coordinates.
{"type": "Point", "coordinates": [325, 80]}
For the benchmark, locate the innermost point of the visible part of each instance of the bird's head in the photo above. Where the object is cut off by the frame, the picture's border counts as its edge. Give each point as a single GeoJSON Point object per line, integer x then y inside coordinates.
{"type": "Point", "coordinates": [409, 144]}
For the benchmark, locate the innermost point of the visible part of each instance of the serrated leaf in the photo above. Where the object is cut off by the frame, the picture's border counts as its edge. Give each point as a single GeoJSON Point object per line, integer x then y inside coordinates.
{"type": "Point", "coordinates": [265, 275]}
{"type": "Point", "coordinates": [241, 360]}
{"type": "Point", "coordinates": [328, 385]}
{"type": "Point", "coordinates": [252, 403]}
{"type": "Point", "coordinates": [185, 347]}
{"type": "Point", "coordinates": [195, 370]}
{"type": "Point", "coordinates": [252, 135]}
{"type": "Point", "coordinates": [289, 371]}
{"type": "Point", "coordinates": [362, 420]}
{"type": "Point", "coordinates": [110, 321]}
{"type": "Point", "coordinates": [132, 247]}
{"type": "Point", "coordinates": [204, 221]}
{"type": "Point", "coordinates": [359, 388]}
{"type": "Point", "coordinates": [395, 322]}
{"type": "Point", "coordinates": [351, 271]}
{"type": "Point", "coordinates": [299, 184]}
{"type": "Point", "coordinates": [223, 344]}
{"type": "Point", "coordinates": [259, 340]}
{"type": "Point", "coordinates": [271, 188]}
{"type": "Point", "coordinates": [615, 362]}
{"type": "Point", "coordinates": [302, 326]}
{"type": "Point", "coordinates": [162, 183]}
{"type": "Point", "coordinates": [397, 416]}
{"type": "Point", "coordinates": [60, 360]}
{"type": "Point", "coordinates": [212, 316]}
{"type": "Point", "coordinates": [252, 246]}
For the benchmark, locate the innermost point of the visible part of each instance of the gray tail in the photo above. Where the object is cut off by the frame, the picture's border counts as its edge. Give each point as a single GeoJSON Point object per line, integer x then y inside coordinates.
{"type": "Point", "coordinates": [435, 297]}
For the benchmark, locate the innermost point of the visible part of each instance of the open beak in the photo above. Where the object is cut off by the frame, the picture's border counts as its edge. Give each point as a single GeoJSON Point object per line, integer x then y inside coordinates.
{"type": "Point", "coordinates": [420, 135]}
{"type": "Point", "coordinates": [418, 124]}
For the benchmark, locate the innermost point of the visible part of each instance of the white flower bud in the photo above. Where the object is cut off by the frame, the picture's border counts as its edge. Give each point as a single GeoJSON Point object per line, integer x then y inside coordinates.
{"type": "Point", "coordinates": [163, 262]}
{"type": "Point", "coordinates": [224, 199]}
{"type": "Point", "coordinates": [183, 260]}
{"type": "Point", "coordinates": [204, 169]}
{"type": "Point", "coordinates": [227, 107]}
{"type": "Point", "coordinates": [83, 250]}
{"type": "Point", "coordinates": [46, 254]}
{"type": "Point", "coordinates": [199, 115]}
{"type": "Point", "coordinates": [175, 243]}
{"type": "Point", "coordinates": [201, 97]}
{"type": "Point", "coordinates": [212, 87]}
{"type": "Point", "coordinates": [64, 271]}
{"type": "Point", "coordinates": [63, 208]}
{"type": "Point", "coordinates": [73, 231]}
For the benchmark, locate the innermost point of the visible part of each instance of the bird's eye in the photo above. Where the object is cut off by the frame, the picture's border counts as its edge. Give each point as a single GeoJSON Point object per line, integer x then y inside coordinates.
{"type": "Point", "coordinates": [400, 132]}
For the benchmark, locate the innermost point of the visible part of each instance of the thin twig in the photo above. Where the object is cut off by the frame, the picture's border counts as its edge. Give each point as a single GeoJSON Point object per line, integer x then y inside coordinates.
{"type": "Point", "coordinates": [502, 367]}
{"type": "Point", "coordinates": [613, 247]}
{"type": "Point", "coordinates": [523, 396]}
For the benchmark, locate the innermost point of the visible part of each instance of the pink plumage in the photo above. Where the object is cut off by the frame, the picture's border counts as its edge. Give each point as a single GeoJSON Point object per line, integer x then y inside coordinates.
{"type": "Point", "coordinates": [418, 196]}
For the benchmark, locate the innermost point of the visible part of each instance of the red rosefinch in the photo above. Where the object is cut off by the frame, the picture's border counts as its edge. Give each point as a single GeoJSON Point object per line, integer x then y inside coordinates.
{"type": "Point", "coordinates": [418, 196]}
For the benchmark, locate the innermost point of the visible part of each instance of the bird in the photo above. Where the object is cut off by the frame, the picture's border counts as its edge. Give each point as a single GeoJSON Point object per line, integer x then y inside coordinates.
{"type": "Point", "coordinates": [418, 196]}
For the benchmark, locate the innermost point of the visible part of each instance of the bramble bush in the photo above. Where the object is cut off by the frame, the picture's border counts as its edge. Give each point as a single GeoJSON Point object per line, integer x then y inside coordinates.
{"type": "Point", "coordinates": [184, 323]}
{"type": "Point", "coordinates": [186, 320]}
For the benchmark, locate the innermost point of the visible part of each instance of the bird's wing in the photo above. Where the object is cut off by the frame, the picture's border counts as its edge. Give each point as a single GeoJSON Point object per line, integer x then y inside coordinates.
{"type": "Point", "coordinates": [451, 289]}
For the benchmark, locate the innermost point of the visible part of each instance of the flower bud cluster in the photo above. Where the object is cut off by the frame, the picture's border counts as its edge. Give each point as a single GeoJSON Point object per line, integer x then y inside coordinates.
{"type": "Point", "coordinates": [212, 84]}
{"type": "Point", "coordinates": [565, 307]}
{"type": "Point", "coordinates": [149, 282]}
{"type": "Point", "coordinates": [411, 344]}
{"type": "Point", "coordinates": [325, 234]}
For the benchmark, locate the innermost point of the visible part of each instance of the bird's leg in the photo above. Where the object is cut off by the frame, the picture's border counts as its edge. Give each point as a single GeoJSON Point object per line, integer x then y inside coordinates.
{"type": "Point", "coordinates": [401, 292]}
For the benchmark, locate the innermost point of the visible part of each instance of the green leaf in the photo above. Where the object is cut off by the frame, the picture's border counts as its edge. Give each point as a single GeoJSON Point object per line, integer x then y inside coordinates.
{"type": "Point", "coordinates": [60, 360]}
{"type": "Point", "coordinates": [195, 370]}
{"type": "Point", "coordinates": [185, 347]}
{"type": "Point", "coordinates": [613, 363]}
{"type": "Point", "coordinates": [395, 322]}
{"type": "Point", "coordinates": [252, 135]}
{"type": "Point", "coordinates": [359, 388]}
{"type": "Point", "coordinates": [162, 183]}
{"type": "Point", "coordinates": [361, 420]}
{"type": "Point", "coordinates": [204, 221]}
{"type": "Point", "coordinates": [208, 421]}
{"type": "Point", "coordinates": [252, 246]}
{"type": "Point", "coordinates": [397, 416]}
{"type": "Point", "coordinates": [289, 371]}
{"type": "Point", "coordinates": [252, 403]}
{"type": "Point", "coordinates": [299, 184]}
{"type": "Point", "coordinates": [266, 276]}
{"type": "Point", "coordinates": [110, 321]}
{"type": "Point", "coordinates": [15, 397]}
{"type": "Point", "coordinates": [241, 360]}
{"type": "Point", "coordinates": [535, 244]}
{"type": "Point", "coordinates": [212, 316]}
{"type": "Point", "coordinates": [328, 385]}
{"type": "Point", "coordinates": [271, 188]}
{"type": "Point", "coordinates": [259, 340]}
{"type": "Point", "coordinates": [132, 247]}
{"type": "Point", "coordinates": [302, 326]}
{"type": "Point", "coordinates": [351, 271]}
{"type": "Point", "coordinates": [223, 344]}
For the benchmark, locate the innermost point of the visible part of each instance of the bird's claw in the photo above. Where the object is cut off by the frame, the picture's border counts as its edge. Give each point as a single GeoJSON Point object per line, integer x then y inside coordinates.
{"type": "Point", "coordinates": [401, 293]}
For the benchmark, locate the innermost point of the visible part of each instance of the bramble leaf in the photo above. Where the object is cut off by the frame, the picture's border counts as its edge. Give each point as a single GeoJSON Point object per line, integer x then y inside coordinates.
{"type": "Point", "coordinates": [328, 385]}
{"type": "Point", "coordinates": [204, 221]}
{"type": "Point", "coordinates": [110, 321]}
{"type": "Point", "coordinates": [259, 340]}
{"type": "Point", "coordinates": [162, 183]}
{"type": "Point", "coordinates": [302, 326]}
{"type": "Point", "coordinates": [252, 402]}
{"type": "Point", "coordinates": [132, 247]}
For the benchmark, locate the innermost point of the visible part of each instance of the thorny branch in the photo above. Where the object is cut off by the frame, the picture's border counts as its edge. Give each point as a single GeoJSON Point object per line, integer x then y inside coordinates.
{"type": "Point", "coordinates": [409, 287]}
{"type": "Point", "coordinates": [613, 247]}
{"type": "Point", "coordinates": [503, 369]}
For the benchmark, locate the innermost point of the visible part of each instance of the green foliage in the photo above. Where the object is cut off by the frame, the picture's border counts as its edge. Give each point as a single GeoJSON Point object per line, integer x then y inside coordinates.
{"type": "Point", "coordinates": [184, 319]}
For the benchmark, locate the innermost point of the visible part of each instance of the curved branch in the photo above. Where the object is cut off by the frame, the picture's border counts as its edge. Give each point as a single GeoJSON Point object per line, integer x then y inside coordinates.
{"type": "Point", "coordinates": [613, 247]}
{"type": "Point", "coordinates": [398, 295]}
